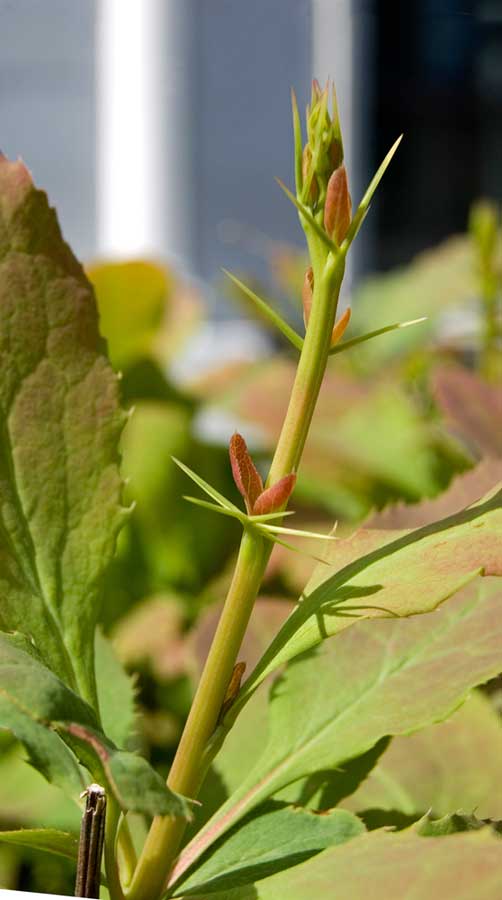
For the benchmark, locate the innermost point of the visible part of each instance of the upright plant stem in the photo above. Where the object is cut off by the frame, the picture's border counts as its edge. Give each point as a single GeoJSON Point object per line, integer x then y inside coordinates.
{"type": "Point", "coordinates": [188, 769]}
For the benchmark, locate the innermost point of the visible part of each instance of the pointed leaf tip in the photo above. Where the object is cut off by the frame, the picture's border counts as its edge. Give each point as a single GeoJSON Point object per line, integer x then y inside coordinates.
{"type": "Point", "coordinates": [276, 496]}
{"type": "Point", "coordinates": [246, 476]}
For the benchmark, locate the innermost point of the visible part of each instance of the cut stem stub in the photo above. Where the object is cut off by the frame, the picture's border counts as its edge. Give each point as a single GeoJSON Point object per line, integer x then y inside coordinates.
{"type": "Point", "coordinates": [90, 848]}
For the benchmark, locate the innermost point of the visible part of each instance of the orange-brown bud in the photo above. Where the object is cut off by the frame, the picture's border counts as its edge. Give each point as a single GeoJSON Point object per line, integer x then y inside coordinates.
{"type": "Point", "coordinates": [307, 292]}
{"type": "Point", "coordinates": [246, 476]}
{"type": "Point", "coordinates": [340, 327]}
{"type": "Point", "coordinates": [338, 206]}
{"type": "Point", "coordinates": [275, 497]}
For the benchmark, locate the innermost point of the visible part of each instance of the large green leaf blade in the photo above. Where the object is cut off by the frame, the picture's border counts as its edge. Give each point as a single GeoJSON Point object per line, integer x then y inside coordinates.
{"type": "Point", "coordinates": [116, 693]}
{"type": "Point", "coordinates": [416, 774]}
{"type": "Point", "coordinates": [384, 573]}
{"type": "Point", "coordinates": [60, 424]}
{"type": "Point", "coordinates": [42, 712]}
{"type": "Point", "coordinates": [378, 679]}
{"type": "Point", "coordinates": [48, 840]}
{"type": "Point", "coordinates": [276, 838]}
{"type": "Point", "coordinates": [384, 865]}
{"type": "Point", "coordinates": [29, 695]}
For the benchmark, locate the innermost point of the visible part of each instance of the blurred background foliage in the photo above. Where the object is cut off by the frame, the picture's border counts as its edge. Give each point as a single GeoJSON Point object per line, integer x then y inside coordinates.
{"type": "Point", "coordinates": [399, 419]}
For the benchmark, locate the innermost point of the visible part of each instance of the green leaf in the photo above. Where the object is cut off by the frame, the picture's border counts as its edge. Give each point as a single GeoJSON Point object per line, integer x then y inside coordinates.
{"type": "Point", "coordinates": [42, 712]}
{"type": "Point", "coordinates": [362, 338]}
{"type": "Point", "coordinates": [326, 789]}
{"type": "Point", "coordinates": [29, 696]}
{"type": "Point", "coordinates": [416, 772]}
{"type": "Point", "coordinates": [276, 838]}
{"type": "Point", "coordinates": [135, 784]}
{"type": "Point", "coordinates": [382, 865]}
{"type": "Point", "coordinates": [453, 823]}
{"type": "Point", "coordinates": [207, 488]}
{"type": "Point", "coordinates": [49, 840]}
{"type": "Point", "coordinates": [388, 573]}
{"type": "Point", "coordinates": [363, 207]}
{"type": "Point", "coordinates": [305, 214]}
{"type": "Point", "coordinates": [269, 313]}
{"type": "Point", "coordinates": [60, 424]}
{"type": "Point", "coordinates": [378, 679]}
{"type": "Point", "coordinates": [115, 693]}
{"type": "Point", "coordinates": [132, 298]}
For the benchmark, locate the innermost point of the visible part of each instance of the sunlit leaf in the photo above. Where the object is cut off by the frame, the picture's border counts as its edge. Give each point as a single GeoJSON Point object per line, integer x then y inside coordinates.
{"type": "Point", "coordinates": [276, 838]}
{"type": "Point", "coordinates": [61, 424]}
{"type": "Point", "coordinates": [402, 573]}
{"type": "Point", "coordinates": [383, 864]}
{"type": "Point", "coordinates": [378, 679]}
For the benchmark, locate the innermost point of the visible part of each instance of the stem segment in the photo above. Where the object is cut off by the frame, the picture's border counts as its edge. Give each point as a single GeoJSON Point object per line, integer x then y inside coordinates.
{"type": "Point", "coordinates": [190, 763]}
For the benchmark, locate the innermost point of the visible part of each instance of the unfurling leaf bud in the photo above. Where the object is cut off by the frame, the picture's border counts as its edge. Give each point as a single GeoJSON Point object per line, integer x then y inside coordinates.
{"type": "Point", "coordinates": [246, 476]}
{"type": "Point", "coordinates": [338, 206]}
{"type": "Point", "coordinates": [310, 186]}
{"type": "Point", "coordinates": [340, 327]}
{"type": "Point", "coordinates": [307, 292]}
{"type": "Point", "coordinates": [275, 497]}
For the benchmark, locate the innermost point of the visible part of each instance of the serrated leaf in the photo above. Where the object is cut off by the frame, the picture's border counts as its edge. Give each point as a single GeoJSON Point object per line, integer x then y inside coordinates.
{"type": "Point", "coordinates": [378, 679]}
{"type": "Point", "coordinates": [135, 784]}
{"type": "Point", "coordinates": [115, 693]}
{"type": "Point", "coordinates": [49, 840]}
{"type": "Point", "coordinates": [416, 772]}
{"type": "Point", "coordinates": [384, 573]}
{"type": "Point", "coordinates": [277, 837]}
{"type": "Point", "coordinates": [60, 424]}
{"type": "Point", "coordinates": [453, 823]}
{"type": "Point", "coordinates": [472, 407]}
{"type": "Point", "coordinates": [42, 712]}
{"type": "Point", "coordinates": [382, 865]}
{"type": "Point", "coordinates": [29, 695]}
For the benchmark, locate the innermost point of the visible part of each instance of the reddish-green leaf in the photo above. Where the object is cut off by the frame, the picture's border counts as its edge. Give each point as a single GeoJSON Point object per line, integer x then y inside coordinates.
{"type": "Point", "coordinates": [60, 423]}
{"type": "Point", "coordinates": [381, 865]}
{"type": "Point", "coordinates": [416, 773]}
{"type": "Point", "coordinates": [377, 679]}
{"type": "Point", "coordinates": [383, 573]}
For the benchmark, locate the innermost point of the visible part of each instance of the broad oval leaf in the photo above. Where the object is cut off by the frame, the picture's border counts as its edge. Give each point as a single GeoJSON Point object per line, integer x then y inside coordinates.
{"type": "Point", "coordinates": [60, 424]}
{"type": "Point", "coordinates": [277, 837]}
{"type": "Point", "coordinates": [43, 712]}
{"type": "Point", "coordinates": [115, 693]}
{"type": "Point", "coordinates": [383, 573]}
{"type": "Point", "coordinates": [49, 840]}
{"type": "Point", "coordinates": [384, 865]}
{"type": "Point", "coordinates": [378, 679]}
{"type": "Point", "coordinates": [416, 773]}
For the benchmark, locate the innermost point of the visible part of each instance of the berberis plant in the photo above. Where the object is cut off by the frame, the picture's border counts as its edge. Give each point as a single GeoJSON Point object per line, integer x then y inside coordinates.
{"type": "Point", "coordinates": [286, 748]}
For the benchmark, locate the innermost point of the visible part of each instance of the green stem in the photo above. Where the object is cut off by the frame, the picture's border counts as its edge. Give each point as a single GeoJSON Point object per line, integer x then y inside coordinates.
{"type": "Point", "coordinates": [111, 862]}
{"type": "Point", "coordinates": [190, 763]}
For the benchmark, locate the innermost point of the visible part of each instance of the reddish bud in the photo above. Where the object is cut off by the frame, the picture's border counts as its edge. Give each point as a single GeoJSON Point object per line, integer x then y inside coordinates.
{"type": "Point", "coordinates": [307, 291]}
{"type": "Point", "coordinates": [246, 476]}
{"type": "Point", "coordinates": [338, 206]}
{"type": "Point", "coordinates": [275, 497]}
{"type": "Point", "coordinates": [340, 327]}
